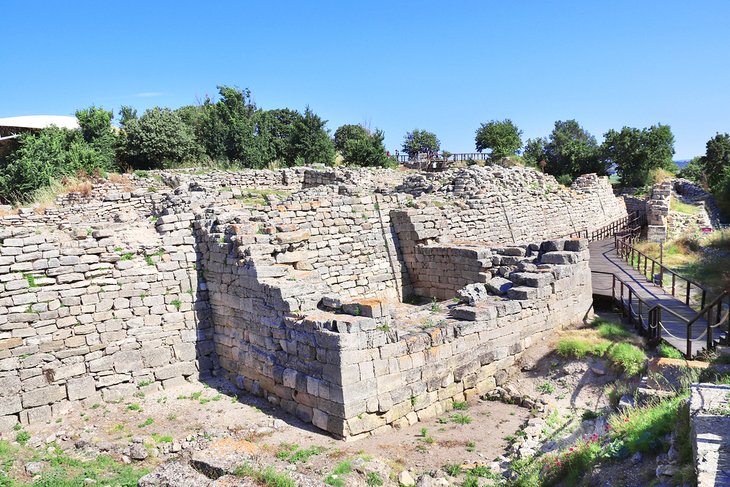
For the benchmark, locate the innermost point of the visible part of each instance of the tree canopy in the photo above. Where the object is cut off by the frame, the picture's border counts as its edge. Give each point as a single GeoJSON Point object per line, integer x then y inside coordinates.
{"type": "Point", "coordinates": [310, 141]}
{"type": "Point", "coordinates": [569, 151]}
{"type": "Point", "coordinates": [502, 138]}
{"type": "Point", "coordinates": [360, 147]}
{"type": "Point", "coordinates": [635, 152]}
{"type": "Point", "coordinates": [420, 141]}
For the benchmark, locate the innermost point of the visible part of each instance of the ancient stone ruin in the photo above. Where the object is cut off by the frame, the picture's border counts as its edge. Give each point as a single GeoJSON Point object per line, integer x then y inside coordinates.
{"type": "Point", "coordinates": [357, 300]}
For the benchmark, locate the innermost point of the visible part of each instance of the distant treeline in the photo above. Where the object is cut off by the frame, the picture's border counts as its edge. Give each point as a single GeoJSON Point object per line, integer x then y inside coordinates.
{"type": "Point", "coordinates": [232, 132]}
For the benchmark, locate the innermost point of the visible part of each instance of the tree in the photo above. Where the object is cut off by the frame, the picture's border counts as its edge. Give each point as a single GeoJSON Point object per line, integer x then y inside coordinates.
{"type": "Point", "coordinates": [503, 138]}
{"type": "Point", "coordinates": [310, 142]}
{"type": "Point", "coordinates": [367, 150]}
{"type": "Point", "coordinates": [159, 138]}
{"type": "Point", "coordinates": [534, 151]}
{"type": "Point", "coordinates": [694, 171]}
{"type": "Point", "coordinates": [635, 152]}
{"type": "Point", "coordinates": [420, 141]}
{"type": "Point", "coordinates": [276, 127]}
{"type": "Point", "coordinates": [97, 131]}
{"type": "Point", "coordinates": [717, 158]}
{"type": "Point", "coordinates": [348, 132]}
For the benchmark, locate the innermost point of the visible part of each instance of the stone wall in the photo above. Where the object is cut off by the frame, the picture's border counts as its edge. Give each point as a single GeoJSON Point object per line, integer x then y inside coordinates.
{"type": "Point", "coordinates": [156, 278]}
{"type": "Point", "coordinates": [91, 315]}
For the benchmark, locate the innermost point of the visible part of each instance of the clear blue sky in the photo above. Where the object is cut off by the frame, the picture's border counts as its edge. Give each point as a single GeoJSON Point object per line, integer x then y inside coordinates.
{"type": "Point", "coordinates": [440, 66]}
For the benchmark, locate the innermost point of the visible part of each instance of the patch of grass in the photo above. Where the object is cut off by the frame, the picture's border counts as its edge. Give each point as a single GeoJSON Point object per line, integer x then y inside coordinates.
{"type": "Point", "coordinates": [628, 357]}
{"type": "Point", "coordinates": [460, 419]}
{"type": "Point", "coordinates": [453, 469]}
{"type": "Point", "coordinates": [292, 453]}
{"type": "Point", "coordinates": [22, 437]}
{"type": "Point", "coordinates": [334, 481]}
{"type": "Point", "coordinates": [145, 423]}
{"type": "Point", "coordinates": [161, 438]}
{"type": "Point", "coordinates": [546, 388]}
{"type": "Point", "coordinates": [676, 205]}
{"type": "Point", "coordinates": [577, 347]}
{"type": "Point", "coordinates": [612, 331]}
{"type": "Point", "coordinates": [643, 428]}
{"type": "Point", "coordinates": [267, 477]}
{"type": "Point", "coordinates": [176, 303]}
{"type": "Point", "coordinates": [374, 479]}
{"type": "Point", "coordinates": [134, 407]}
{"type": "Point", "coordinates": [589, 414]}
{"type": "Point", "coordinates": [343, 468]}
{"type": "Point", "coordinates": [668, 351]}
{"type": "Point", "coordinates": [128, 256]}
{"type": "Point", "coordinates": [31, 280]}
{"type": "Point", "coordinates": [460, 405]}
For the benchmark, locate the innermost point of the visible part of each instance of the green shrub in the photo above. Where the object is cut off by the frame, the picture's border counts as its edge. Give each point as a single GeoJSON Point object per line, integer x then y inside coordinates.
{"type": "Point", "coordinates": [46, 157]}
{"type": "Point", "coordinates": [629, 357]}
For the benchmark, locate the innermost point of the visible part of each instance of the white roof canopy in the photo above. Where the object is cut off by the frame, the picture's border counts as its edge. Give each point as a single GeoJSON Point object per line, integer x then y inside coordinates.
{"type": "Point", "coordinates": [40, 121]}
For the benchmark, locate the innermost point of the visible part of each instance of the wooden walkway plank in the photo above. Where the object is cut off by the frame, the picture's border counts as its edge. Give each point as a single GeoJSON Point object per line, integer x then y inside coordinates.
{"type": "Point", "coordinates": [674, 331]}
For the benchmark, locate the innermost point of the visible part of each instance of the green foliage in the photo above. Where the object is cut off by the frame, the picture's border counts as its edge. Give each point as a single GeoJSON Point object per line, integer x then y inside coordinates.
{"type": "Point", "coordinates": [45, 157]}
{"type": "Point", "coordinates": [694, 171]}
{"type": "Point", "coordinates": [420, 141]}
{"type": "Point", "coordinates": [717, 159]}
{"type": "Point", "coordinates": [669, 351]}
{"type": "Point", "coordinates": [643, 428]}
{"type": "Point", "coordinates": [365, 149]}
{"type": "Point", "coordinates": [628, 357]}
{"type": "Point", "coordinates": [373, 479]}
{"type": "Point", "coordinates": [612, 331]}
{"type": "Point", "coordinates": [580, 347]}
{"type": "Point", "coordinates": [22, 437]}
{"type": "Point", "coordinates": [503, 138]}
{"type": "Point", "coordinates": [97, 131]}
{"type": "Point", "coordinates": [267, 476]}
{"type": "Point", "coordinates": [635, 152]}
{"type": "Point", "coordinates": [158, 139]}
{"type": "Point", "coordinates": [310, 142]}
{"type": "Point", "coordinates": [348, 132]}
{"type": "Point", "coordinates": [569, 151]}
{"type": "Point", "coordinates": [460, 418]}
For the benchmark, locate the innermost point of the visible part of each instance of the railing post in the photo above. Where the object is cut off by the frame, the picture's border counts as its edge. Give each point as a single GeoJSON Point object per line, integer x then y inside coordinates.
{"type": "Point", "coordinates": [689, 341]}
{"type": "Point", "coordinates": [623, 310]}
{"type": "Point", "coordinates": [710, 341]}
{"type": "Point", "coordinates": [613, 287]}
{"type": "Point", "coordinates": [631, 310]}
{"type": "Point", "coordinates": [641, 321]}
{"type": "Point", "coordinates": [652, 270]}
{"type": "Point", "coordinates": [674, 281]}
{"type": "Point", "coordinates": [686, 299]}
{"type": "Point", "coordinates": [704, 295]}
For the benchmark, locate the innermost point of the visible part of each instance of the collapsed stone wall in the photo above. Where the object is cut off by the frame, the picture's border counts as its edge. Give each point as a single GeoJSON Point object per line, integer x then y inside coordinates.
{"type": "Point", "coordinates": [501, 205]}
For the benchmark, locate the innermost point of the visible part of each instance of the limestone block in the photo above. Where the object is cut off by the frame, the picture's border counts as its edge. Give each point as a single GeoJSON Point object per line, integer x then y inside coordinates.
{"type": "Point", "coordinates": [44, 395]}
{"type": "Point", "coordinates": [560, 258]}
{"type": "Point", "coordinates": [10, 405]}
{"type": "Point", "coordinates": [127, 361]}
{"type": "Point", "coordinates": [80, 387]}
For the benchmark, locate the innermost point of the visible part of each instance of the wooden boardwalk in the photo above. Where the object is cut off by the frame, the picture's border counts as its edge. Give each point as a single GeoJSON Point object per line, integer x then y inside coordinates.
{"type": "Point", "coordinates": [674, 331]}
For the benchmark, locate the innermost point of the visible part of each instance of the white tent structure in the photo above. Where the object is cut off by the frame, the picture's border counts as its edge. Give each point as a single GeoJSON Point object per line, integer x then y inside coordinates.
{"type": "Point", "coordinates": [11, 127]}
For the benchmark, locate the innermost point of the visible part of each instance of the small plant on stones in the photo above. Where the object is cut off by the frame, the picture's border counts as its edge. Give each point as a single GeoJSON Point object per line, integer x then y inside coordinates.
{"type": "Point", "coordinates": [384, 327]}
{"type": "Point", "coordinates": [453, 469]}
{"type": "Point", "coordinates": [435, 306]}
{"type": "Point", "coordinates": [460, 405]}
{"type": "Point", "coordinates": [546, 388]}
{"type": "Point", "coordinates": [134, 407]}
{"type": "Point", "coordinates": [176, 303]}
{"type": "Point", "coordinates": [373, 479]}
{"type": "Point", "coordinates": [145, 423]}
{"type": "Point", "coordinates": [471, 446]}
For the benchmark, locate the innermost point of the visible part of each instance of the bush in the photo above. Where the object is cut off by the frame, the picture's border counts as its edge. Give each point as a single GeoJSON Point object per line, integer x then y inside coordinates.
{"type": "Point", "coordinates": [45, 157]}
{"type": "Point", "coordinates": [366, 150]}
{"type": "Point", "coordinates": [580, 347]}
{"type": "Point", "coordinates": [158, 139]}
{"type": "Point", "coordinates": [612, 331]}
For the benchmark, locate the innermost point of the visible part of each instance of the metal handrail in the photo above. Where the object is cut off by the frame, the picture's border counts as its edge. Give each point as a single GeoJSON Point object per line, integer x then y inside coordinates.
{"type": "Point", "coordinates": [653, 327]}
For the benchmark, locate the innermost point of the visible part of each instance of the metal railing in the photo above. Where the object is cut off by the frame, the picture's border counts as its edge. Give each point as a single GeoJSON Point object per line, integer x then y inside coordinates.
{"type": "Point", "coordinates": [716, 314]}
{"type": "Point", "coordinates": [459, 156]}
{"type": "Point", "coordinates": [648, 267]}
{"type": "Point", "coordinates": [628, 224]}
{"type": "Point", "coordinates": [634, 308]}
